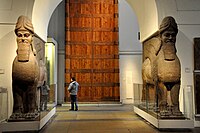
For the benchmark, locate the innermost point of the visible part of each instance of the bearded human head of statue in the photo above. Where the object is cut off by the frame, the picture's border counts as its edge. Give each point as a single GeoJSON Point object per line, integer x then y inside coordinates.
{"type": "Point", "coordinates": [168, 22]}
{"type": "Point", "coordinates": [168, 30]}
{"type": "Point", "coordinates": [24, 32]}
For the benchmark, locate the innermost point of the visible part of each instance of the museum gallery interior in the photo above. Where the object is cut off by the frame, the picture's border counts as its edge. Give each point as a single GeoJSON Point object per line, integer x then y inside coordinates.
{"type": "Point", "coordinates": [140, 55]}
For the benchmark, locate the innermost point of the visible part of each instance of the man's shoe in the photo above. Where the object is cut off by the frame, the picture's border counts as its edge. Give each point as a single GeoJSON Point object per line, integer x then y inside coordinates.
{"type": "Point", "coordinates": [71, 110]}
{"type": "Point", "coordinates": [76, 109]}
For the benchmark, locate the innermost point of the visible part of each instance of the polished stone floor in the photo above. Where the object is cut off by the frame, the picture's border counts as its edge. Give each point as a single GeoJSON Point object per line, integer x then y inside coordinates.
{"type": "Point", "coordinates": [102, 119]}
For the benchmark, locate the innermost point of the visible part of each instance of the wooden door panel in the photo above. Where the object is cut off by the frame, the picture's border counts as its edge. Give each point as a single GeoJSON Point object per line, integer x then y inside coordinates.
{"type": "Point", "coordinates": [80, 63]}
{"type": "Point", "coordinates": [76, 22]}
{"type": "Point", "coordinates": [107, 64]}
{"type": "Point", "coordinates": [84, 51]}
{"type": "Point", "coordinates": [86, 8]}
{"type": "Point", "coordinates": [85, 78]}
{"type": "Point", "coordinates": [102, 36]}
{"type": "Point", "coordinates": [84, 93]}
{"type": "Point", "coordinates": [92, 49]}
{"type": "Point", "coordinates": [80, 36]}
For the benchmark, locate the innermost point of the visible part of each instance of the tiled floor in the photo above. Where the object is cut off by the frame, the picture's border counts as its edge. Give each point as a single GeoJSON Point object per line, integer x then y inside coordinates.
{"type": "Point", "coordinates": [102, 119]}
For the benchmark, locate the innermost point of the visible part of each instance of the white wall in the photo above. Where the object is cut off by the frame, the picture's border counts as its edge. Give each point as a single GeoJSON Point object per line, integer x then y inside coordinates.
{"type": "Point", "coordinates": [130, 73]}
{"type": "Point", "coordinates": [42, 11]}
{"type": "Point", "coordinates": [146, 14]}
{"type": "Point", "coordinates": [10, 10]}
{"type": "Point", "coordinates": [130, 52]}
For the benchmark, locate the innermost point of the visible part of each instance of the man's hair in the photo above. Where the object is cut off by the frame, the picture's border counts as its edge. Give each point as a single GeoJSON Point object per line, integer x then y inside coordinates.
{"type": "Point", "coordinates": [168, 22]}
{"type": "Point", "coordinates": [73, 78]}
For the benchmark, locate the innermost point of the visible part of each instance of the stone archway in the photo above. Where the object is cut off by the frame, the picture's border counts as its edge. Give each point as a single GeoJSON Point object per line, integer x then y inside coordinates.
{"type": "Point", "coordinates": [147, 14]}
{"type": "Point", "coordinates": [42, 20]}
{"type": "Point", "coordinates": [41, 14]}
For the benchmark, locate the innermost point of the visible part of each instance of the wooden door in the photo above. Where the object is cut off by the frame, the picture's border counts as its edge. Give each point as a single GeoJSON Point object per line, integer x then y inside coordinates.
{"type": "Point", "coordinates": [92, 49]}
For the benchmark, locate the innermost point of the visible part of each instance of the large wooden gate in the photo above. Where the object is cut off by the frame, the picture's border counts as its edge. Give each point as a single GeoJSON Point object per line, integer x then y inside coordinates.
{"type": "Point", "coordinates": [92, 49]}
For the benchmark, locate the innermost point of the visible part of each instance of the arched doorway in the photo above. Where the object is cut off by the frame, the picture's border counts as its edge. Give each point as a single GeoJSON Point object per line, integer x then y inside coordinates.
{"type": "Point", "coordinates": [139, 9]}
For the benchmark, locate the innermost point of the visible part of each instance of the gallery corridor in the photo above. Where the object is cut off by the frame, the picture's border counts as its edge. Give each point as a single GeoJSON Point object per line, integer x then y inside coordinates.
{"type": "Point", "coordinates": [98, 118]}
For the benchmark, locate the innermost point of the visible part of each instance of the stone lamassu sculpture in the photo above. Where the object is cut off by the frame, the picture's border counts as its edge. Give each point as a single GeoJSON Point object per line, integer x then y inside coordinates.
{"type": "Point", "coordinates": [25, 72]}
{"type": "Point", "coordinates": [162, 69]}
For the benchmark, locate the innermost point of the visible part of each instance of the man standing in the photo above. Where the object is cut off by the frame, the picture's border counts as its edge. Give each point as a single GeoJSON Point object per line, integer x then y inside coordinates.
{"type": "Point", "coordinates": [73, 89]}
